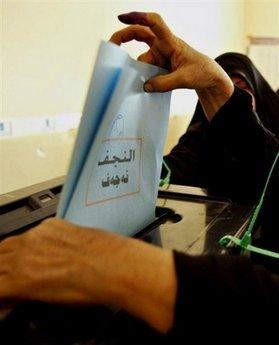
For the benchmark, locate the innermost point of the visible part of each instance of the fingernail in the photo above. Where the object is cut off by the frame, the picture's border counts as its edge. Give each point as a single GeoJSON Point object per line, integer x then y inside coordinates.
{"type": "Point", "coordinates": [148, 87]}
{"type": "Point", "coordinates": [133, 18]}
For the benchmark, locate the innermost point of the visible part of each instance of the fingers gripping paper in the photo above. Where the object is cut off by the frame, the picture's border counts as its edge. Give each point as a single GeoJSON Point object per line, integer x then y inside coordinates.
{"type": "Point", "coordinates": [115, 168]}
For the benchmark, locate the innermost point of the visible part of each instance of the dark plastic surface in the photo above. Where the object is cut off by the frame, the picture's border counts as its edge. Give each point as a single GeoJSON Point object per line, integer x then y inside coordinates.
{"type": "Point", "coordinates": [187, 219]}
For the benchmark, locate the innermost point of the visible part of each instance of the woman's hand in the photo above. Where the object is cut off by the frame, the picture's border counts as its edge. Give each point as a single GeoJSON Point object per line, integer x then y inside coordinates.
{"type": "Point", "coordinates": [58, 262]}
{"type": "Point", "coordinates": [188, 68]}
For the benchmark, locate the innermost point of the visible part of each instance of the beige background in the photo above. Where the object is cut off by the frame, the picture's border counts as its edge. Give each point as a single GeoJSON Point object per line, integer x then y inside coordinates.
{"type": "Point", "coordinates": [47, 54]}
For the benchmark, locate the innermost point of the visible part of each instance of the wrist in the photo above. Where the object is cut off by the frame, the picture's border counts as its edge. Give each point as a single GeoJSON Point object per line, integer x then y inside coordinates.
{"type": "Point", "coordinates": [147, 286]}
{"type": "Point", "coordinates": [215, 96]}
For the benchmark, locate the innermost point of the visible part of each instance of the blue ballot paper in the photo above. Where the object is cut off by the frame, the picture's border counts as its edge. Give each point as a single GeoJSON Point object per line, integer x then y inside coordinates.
{"type": "Point", "coordinates": [115, 168]}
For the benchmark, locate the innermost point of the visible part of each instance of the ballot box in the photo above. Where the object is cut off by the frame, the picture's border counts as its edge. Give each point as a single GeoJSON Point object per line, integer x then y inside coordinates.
{"type": "Point", "coordinates": [187, 219]}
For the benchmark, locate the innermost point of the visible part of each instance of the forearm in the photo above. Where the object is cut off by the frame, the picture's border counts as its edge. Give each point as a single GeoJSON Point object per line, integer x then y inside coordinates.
{"type": "Point", "coordinates": [59, 262]}
{"type": "Point", "coordinates": [214, 97]}
{"type": "Point", "coordinates": [144, 283]}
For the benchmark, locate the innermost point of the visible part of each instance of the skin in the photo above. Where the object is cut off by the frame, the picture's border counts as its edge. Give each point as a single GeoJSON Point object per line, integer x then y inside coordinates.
{"type": "Point", "coordinates": [188, 68]}
{"type": "Point", "coordinates": [242, 84]}
{"type": "Point", "coordinates": [58, 262]}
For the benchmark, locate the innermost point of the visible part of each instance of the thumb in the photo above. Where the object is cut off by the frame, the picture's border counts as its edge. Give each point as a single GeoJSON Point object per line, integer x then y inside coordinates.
{"type": "Point", "coordinates": [164, 83]}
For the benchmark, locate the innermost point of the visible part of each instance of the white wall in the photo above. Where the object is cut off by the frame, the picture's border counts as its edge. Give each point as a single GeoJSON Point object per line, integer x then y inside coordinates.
{"type": "Point", "coordinates": [262, 21]}
{"type": "Point", "coordinates": [48, 53]}
{"type": "Point", "coordinates": [48, 49]}
{"type": "Point", "coordinates": [50, 46]}
{"type": "Point", "coordinates": [262, 18]}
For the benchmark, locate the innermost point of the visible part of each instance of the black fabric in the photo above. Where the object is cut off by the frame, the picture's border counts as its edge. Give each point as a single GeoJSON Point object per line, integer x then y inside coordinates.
{"type": "Point", "coordinates": [239, 165]}
{"type": "Point", "coordinates": [185, 160]}
{"type": "Point", "coordinates": [238, 151]}
{"type": "Point", "coordinates": [268, 228]}
{"type": "Point", "coordinates": [230, 156]}
{"type": "Point", "coordinates": [235, 155]}
{"type": "Point", "coordinates": [221, 296]}
{"type": "Point", "coordinates": [267, 101]}
{"type": "Point", "coordinates": [210, 155]}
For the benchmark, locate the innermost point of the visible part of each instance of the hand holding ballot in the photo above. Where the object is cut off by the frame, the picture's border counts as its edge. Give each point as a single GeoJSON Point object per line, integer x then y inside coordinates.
{"type": "Point", "coordinates": [112, 184]}
{"type": "Point", "coordinates": [188, 68]}
{"type": "Point", "coordinates": [118, 152]}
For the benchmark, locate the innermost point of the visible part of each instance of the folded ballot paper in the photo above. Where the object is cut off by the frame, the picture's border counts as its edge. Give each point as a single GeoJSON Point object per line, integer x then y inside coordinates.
{"type": "Point", "coordinates": [115, 168]}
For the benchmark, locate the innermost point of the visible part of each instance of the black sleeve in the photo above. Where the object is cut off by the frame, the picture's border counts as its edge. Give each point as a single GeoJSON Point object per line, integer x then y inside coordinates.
{"type": "Point", "coordinates": [224, 293]}
{"type": "Point", "coordinates": [185, 158]}
{"type": "Point", "coordinates": [239, 150]}
{"type": "Point", "coordinates": [230, 155]}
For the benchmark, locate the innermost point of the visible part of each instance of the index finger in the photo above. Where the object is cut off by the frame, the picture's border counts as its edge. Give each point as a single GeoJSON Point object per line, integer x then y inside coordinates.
{"type": "Point", "coordinates": [153, 20]}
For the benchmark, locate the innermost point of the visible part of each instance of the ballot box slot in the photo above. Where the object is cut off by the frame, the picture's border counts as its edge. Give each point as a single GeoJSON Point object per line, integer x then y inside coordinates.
{"type": "Point", "coordinates": [162, 214]}
{"type": "Point", "coordinates": [191, 223]}
{"type": "Point", "coordinates": [194, 197]}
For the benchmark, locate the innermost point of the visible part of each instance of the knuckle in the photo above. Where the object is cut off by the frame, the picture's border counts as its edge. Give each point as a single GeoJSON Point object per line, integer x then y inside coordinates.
{"type": "Point", "coordinates": [114, 36]}
{"type": "Point", "coordinates": [156, 16]}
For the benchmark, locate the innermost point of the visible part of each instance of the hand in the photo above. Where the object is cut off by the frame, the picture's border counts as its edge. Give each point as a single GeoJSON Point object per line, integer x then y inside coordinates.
{"type": "Point", "coordinates": [58, 262]}
{"type": "Point", "coordinates": [188, 68]}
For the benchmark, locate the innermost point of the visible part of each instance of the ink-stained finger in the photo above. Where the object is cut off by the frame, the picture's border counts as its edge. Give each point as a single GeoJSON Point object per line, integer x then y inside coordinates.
{"type": "Point", "coordinates": [153, 20]}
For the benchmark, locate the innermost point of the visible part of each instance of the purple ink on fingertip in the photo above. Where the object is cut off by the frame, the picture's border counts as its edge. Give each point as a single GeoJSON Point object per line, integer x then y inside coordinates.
{"type": "Point", "coordinates": [133, 18]}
